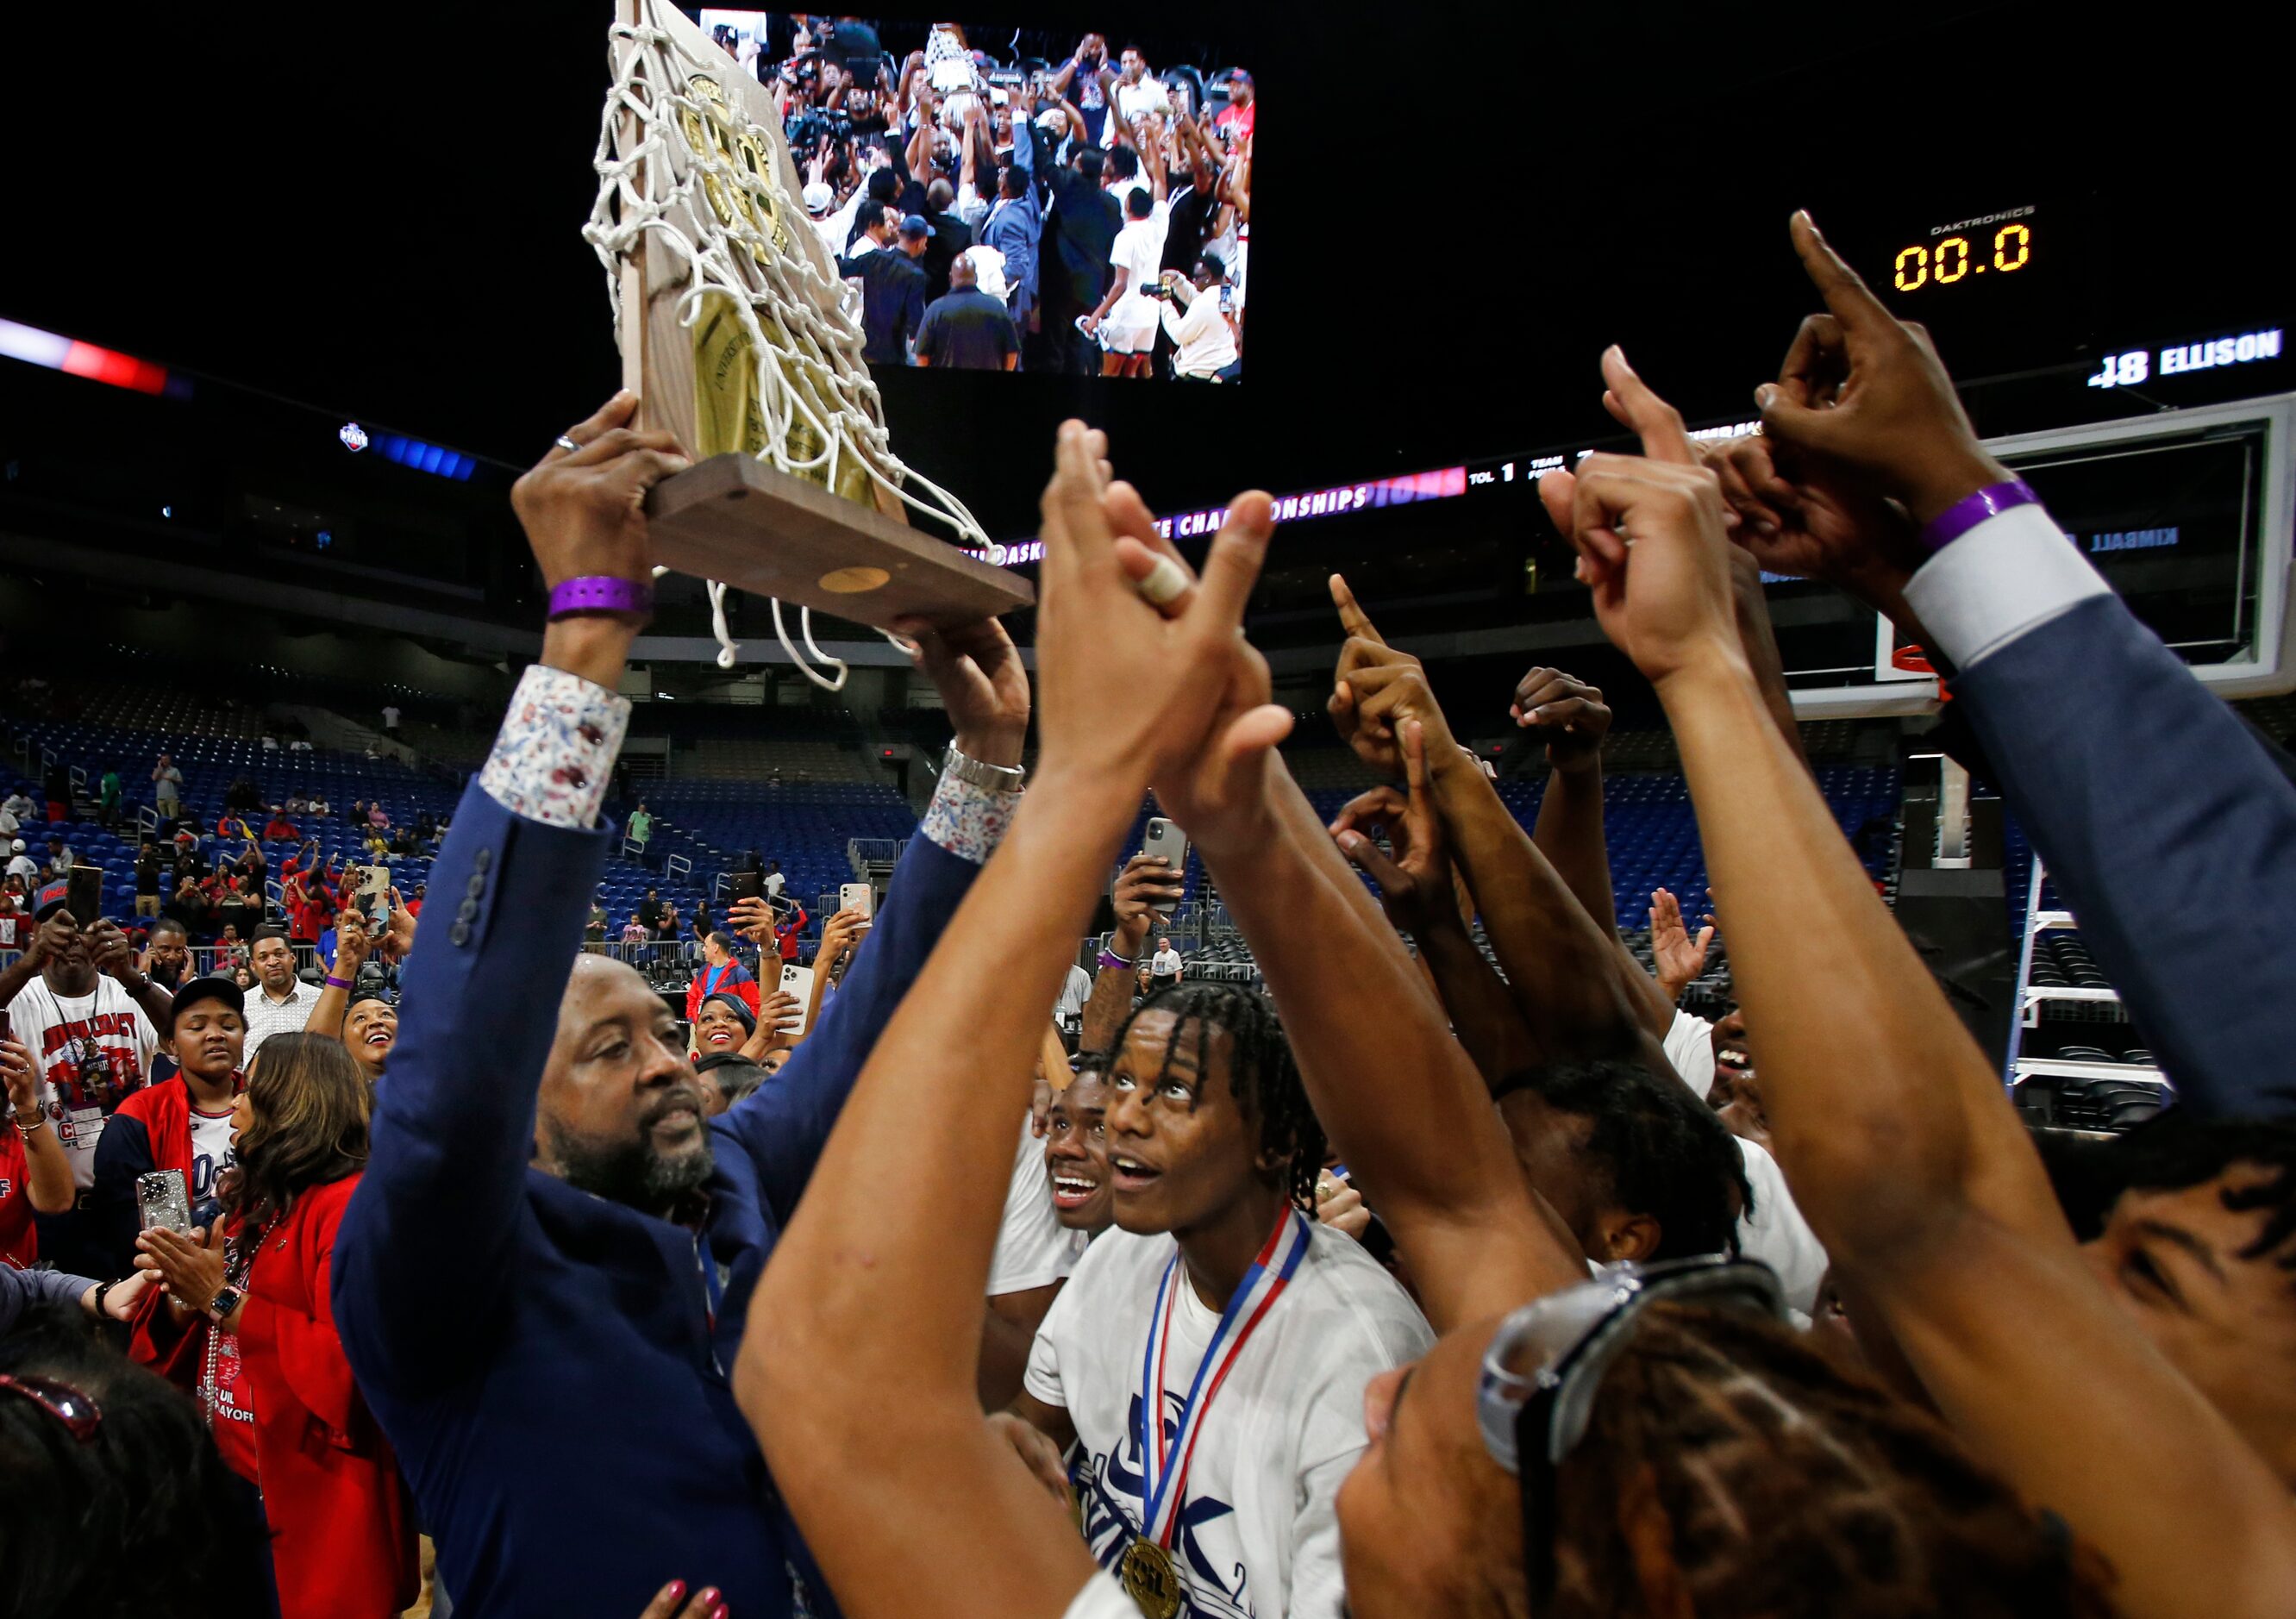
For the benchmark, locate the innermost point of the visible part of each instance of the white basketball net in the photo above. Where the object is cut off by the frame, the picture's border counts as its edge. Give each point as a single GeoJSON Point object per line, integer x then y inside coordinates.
{"type": "Point", "coordinates": [821, 433]}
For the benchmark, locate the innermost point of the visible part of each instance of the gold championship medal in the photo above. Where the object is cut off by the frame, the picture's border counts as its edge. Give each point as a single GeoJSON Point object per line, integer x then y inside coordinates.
{"type": "Point", "coordinates": [1150, 1579]}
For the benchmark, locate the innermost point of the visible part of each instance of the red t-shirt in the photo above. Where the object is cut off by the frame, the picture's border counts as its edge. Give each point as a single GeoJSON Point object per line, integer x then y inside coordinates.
{"type": "Point", "coordinates": [20, 1242]}
{"type": "Point", "coordinates": [1236, 122]}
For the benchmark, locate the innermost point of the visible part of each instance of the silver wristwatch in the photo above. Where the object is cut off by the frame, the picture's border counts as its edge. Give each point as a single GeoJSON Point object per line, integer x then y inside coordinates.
{"type": "Point", "coordinates": [994, 778]}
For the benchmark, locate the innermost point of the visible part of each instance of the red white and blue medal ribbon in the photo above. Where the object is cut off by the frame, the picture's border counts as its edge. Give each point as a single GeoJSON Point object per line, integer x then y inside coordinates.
{"type": "Point", "coordinates": [1164, 1464]}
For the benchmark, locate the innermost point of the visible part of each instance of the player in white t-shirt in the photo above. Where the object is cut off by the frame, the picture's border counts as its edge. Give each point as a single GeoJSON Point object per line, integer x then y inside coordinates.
{"type": "Point", "coordinates": [1075, 1154]}
{"type": "Point", "coordinates": [1214, 1152]}
{"type": "Point", "coordinates": [1129, 315]}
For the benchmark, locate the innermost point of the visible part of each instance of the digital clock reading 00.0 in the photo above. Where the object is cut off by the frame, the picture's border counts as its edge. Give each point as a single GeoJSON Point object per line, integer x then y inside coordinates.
{"type": "Point", "coordinates": [1955, 259]}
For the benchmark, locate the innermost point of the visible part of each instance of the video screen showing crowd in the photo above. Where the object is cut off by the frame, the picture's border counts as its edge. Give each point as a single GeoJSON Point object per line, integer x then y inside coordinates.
{"type": "Point", "coordinates": [1078, 207]}
{"type": "Point", "coordinates": [1448, 1267]}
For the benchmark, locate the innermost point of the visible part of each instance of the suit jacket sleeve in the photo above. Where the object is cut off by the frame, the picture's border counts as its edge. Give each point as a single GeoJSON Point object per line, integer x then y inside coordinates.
{"type": "Point", "coordinates": [2166, 828]}
{"type": "Point", "coordinates": [784, 1125]}
{"type": "Point", "coordinates": [424, 1262]}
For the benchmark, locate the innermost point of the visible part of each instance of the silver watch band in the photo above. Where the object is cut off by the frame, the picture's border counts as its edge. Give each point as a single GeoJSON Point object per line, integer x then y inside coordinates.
{"type": "Point", "coordinates": [992, 778]}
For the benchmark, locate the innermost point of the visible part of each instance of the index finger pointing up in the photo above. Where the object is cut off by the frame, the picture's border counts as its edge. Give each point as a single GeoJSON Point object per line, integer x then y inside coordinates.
{"type": "Point", "coordinates": [1632, 402]}
{"type": "Point", "coordinates": [1353, 619]}
{"type": "Point", "coordinates": [1845, 292]}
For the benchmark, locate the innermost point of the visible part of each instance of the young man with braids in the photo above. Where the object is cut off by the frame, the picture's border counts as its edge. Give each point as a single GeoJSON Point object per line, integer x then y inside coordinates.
{"type": "Point", "coordinates": [1213, 1153]}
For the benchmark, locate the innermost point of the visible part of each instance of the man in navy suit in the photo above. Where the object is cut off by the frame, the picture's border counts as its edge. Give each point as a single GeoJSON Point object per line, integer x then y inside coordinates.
{"type": "Point", "coordinates": [544, 1276]}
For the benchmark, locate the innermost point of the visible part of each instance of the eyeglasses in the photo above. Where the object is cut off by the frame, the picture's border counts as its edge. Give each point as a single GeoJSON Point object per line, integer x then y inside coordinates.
{"type": "Point", "coordinates": [76, 1411]}
{"type": "Point", "coordinates": [1545, 1364]}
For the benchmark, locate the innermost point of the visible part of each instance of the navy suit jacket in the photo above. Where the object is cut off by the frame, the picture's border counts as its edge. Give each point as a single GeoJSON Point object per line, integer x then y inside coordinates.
{"type": "Point", "coordinates": [2167, 828]}
{"type": "Point", "coordinates": [544, 1361]}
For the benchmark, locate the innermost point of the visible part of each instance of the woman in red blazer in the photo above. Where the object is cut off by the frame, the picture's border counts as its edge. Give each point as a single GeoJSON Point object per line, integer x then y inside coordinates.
{"type": "Point", "coordinates": [342, 1528]}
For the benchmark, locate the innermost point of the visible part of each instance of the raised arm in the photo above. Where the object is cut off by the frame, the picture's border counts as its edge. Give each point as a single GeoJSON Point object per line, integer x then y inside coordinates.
{"type": "Point", "coordinates": [1901, 1145]}
{"type": "Point", "coordinates": [454, 1127]}
{"type": "Point", "coordinates": [327, 1013]}
{"type": "Point", "coordinates": [1146, 884]}
{"type": "Point", "coordinates": [1561, 967]}
{"type": "Point", "coordinates": [1424, 897]}
{"type": "Point", "coordinates": [47, 1167]}
{"type": "Point", "coordinates": [838, 1351]}
{"type": "Point", "coordinates": [986, 693]}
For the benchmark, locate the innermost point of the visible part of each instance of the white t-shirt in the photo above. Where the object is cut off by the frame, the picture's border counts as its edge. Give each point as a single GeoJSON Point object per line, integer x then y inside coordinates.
{"type": "Point", "coordinates": [1690, 1048]}
{"type": "Point", "coordinates": [94, 1050]}
{"type": "Point", "coordinates": [1777, 1235]}
{"type": "Point", "coordinates": [25, 867]}
{"type": "Point", "coordinates": [1101, 1597]}
{"type": "Point", "coordinates": [211, 1153]}
{"type": "Point", "coordinates": [773, 883]}
{"type": "Point", "coordinates": [1140, 100]}
{"type": "Point", "coordinates": [1258, 1532]}
{"type": "Point", "coordinates": [1138, 248]}
{"type": "Point", "coordinates": [1033, 1248]}
{"type": "Point", "coordinates": [1074, 994]}
{"type": "Point", "coordinates": [1164, 964]}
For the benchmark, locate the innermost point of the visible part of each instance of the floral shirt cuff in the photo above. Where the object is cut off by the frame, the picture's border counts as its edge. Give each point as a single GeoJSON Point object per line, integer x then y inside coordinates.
{"type": "Point", "coordinates": [554, 755]}
{"type": "Point", "coordinates": [967, 821]}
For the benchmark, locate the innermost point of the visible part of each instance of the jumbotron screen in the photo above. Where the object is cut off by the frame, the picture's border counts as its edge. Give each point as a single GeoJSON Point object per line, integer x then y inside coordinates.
{"type": "Point", "coordinates": [1043, 202]}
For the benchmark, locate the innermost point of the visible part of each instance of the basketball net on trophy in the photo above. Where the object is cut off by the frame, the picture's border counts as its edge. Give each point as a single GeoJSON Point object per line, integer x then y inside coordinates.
{"type": "Point", "coordinates": [736, 336]}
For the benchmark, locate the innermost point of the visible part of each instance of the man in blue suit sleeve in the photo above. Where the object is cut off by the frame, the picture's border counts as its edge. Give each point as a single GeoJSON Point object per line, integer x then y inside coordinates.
{"type": "Point", "coordinates": [544, 1273]}
{"type": "Point", "coordinates": [2167, 828]}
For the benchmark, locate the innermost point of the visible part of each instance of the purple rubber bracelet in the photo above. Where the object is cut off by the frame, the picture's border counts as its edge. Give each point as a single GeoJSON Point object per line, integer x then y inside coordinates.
{"type": "Point", "coordinates": [1110, 958]}
{"type": "Point", "coordinates": [1970, 509]}
{"type": "Point", "coordinates": [599, 593]}
{"type": "Point", "coordinates": [335, 982]}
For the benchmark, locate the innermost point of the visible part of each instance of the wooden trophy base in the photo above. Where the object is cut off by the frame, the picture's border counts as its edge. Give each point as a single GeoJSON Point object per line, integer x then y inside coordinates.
{"type": "Point", "coordinates": [735, 518]}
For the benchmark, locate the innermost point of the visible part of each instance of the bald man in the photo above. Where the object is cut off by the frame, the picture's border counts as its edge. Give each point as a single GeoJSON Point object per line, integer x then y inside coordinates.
{"type": "Point", "coordinates": [968, 330]}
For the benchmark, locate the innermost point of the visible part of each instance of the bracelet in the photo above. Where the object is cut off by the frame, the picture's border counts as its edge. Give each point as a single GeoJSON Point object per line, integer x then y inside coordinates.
{"type": "Point", "coordinates": [1114, 962]}
{"type": "Point", "coordinates": [976, 772]}
{"type": "Point", "coordinates": [1970, 509]}
{"type": "Point", "coordinates": [39, 1122]}
{"type": "Point", "coordinates": [335, 982]}
{"type": "Point", "coordinates": [103, 1291]}
{"type": "Point", "coordinates": [600, 593]}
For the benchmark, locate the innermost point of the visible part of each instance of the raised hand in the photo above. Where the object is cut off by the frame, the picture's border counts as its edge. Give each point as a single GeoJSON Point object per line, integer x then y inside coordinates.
{"type": "Point", "coordinates": [107, 948]}
{"type": "Point", "coordinates": [352, 945]}
{"type": "Point", "coordinates": [778, 1011]}
{"type": "Point", "coordinates": [1416, 882]}
{"type": "Point", "coordinates": [981, 683]}
{"type": "Point", "coordinates": [1365, 648]}
{"type": "Point", "coordinates": [1866, 390]}
{"type": "Point", "coordinates": [1678, 610]}
{"type": "Point", "coordinates": [398, 940]}
{"type": "Point", "coordinates": [841, 935]}
{"type": "Point", "coordinates": [1673, 954]}
{"type": "Point", "coordinates": [1146, 886]}
{"type": "Point", "coordinates": [1168, 694]}
{"type": "Point", "coordinates": [1571, 712]}
{"type": "Point", "coordinates": [584, 509]}
{"type": "Point", "coordinates": [753, 919]}
{"type": "Point", "coordinates": [21, 1076]}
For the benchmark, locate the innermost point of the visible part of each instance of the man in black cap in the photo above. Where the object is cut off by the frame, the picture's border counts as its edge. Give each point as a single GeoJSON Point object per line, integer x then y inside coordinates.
{"type": "Point", "coordinates": [92, 1023]}
{"type": "Point", "coordinates": [182, 1123]}
{"type": "Point", "coordinates": [892, 286]}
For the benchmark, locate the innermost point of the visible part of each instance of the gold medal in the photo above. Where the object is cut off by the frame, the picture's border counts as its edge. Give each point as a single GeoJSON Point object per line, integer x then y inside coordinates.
{"type": "Point", "coordinates": [1151, 1580]}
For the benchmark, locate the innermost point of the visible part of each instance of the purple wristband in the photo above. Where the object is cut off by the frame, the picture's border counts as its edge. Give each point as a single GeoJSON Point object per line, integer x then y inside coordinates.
{"type": "Point", "coordinates": [1970, 509]}
{"type": "Point", "coordinates": [335, 982]}
{"type": "Point", "coordinates": [600, 593]}
{"type": "Point", "coordinates": [1110, 958]}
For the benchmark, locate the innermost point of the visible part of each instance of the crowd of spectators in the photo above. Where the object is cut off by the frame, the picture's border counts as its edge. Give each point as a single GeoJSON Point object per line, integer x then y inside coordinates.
{"type": "Point", "coordinates": [1090, 214]}
{"type": "Point", "coordinates": [1424, 1280]}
